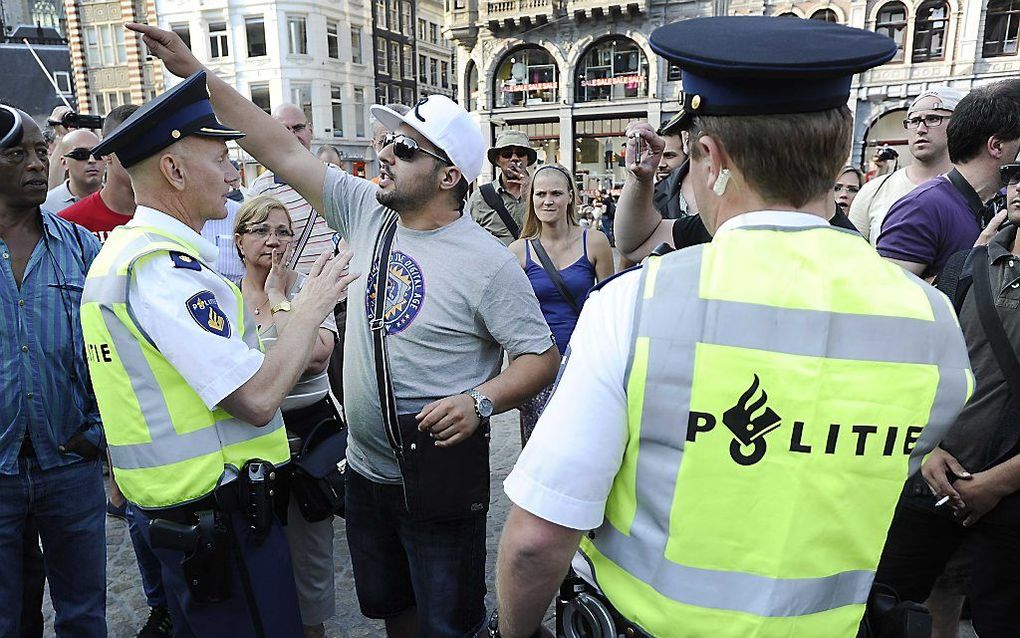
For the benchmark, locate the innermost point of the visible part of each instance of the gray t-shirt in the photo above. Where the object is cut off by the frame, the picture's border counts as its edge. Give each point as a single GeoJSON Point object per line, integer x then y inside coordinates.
{"type": "Point", "coordinates": [458, 298]}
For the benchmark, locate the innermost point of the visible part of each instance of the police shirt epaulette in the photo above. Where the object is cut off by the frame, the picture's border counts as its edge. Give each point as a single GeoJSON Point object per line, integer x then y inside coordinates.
{"type": "Point", "coordinates": [184, 260]}
{"type": "Point", "coordinates": [605, 281]}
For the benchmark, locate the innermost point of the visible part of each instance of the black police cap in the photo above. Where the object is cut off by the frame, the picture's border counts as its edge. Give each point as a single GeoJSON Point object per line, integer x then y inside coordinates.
{"type": "Point", "coordinates": [756, 65]}
{"type": "Point", "coordinates": [11, 127]}
{"type": "Point", "coordinates": [182, 111]}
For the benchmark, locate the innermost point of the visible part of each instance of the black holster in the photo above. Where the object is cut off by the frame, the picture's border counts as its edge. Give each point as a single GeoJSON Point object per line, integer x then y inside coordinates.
{"type": "Point", "coordinates": [206, 547]}
{"type": "Point", "coordinates": [885, 616]}
{"type": "Point", "coordinates": [256, 489]}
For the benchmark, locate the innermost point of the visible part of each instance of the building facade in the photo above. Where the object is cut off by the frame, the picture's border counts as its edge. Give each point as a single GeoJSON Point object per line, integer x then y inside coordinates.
{"type": "Point", "coordinates": [317, 56]}
{"type": "Point", "coordinates": [36, 13]}
{"type": "Point", "coordinates": [110, 65]}
{"type": "Point", "coordinates": [35, 94]}
{"type": "Point", "coordinates": [435, 57]}
{"type": "Point", "coordinates": [573, 73]}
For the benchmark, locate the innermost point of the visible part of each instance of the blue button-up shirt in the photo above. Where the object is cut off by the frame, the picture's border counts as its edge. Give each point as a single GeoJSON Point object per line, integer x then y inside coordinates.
{"type": "Point", "coordinates": [44, 382]}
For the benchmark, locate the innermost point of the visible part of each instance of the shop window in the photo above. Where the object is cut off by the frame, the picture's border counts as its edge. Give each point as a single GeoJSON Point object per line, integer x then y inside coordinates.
{"type": "Point", "coordinates": [526, 77]}
{"type": "Point", "coordinates": [472, 87]}
{"type": "Point", "coordinates": [930, 31]}
{"type": "Point", "coordinates": [825, 15]}
{"type": "Point", "coordinates": [612, 69]}
{"type": "Point", "coordinates": [892, 22]}
{"type": "Point", "coordinates": [1001, 27]}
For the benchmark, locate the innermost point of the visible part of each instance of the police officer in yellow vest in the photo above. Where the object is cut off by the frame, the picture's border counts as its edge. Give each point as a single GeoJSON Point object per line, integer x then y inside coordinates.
{"type": "Point", "coordinates": [189, 401]}
{"type": "Point", "coordinates": [735, 421]}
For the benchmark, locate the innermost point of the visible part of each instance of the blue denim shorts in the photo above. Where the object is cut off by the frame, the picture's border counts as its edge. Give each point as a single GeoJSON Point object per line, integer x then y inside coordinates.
{"type": "Point", "coordinates": [400, 563]}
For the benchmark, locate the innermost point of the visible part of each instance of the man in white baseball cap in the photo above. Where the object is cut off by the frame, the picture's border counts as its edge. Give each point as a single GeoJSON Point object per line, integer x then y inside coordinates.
{"type": "Point", "coordinates": [926, 123]}
{"type": "Point", "coordinates": [453, 301]}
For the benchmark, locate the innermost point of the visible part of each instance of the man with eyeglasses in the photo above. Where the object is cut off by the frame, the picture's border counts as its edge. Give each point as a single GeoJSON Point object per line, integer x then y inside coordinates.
{"type": "Point", "coordinates": [452, 302]}
{"type": "Point", "coordinates": [84, 172]}
{"type": "Point", "coordinates": [301, 213]}
{"type": "Point", "coordinates": [499, 206]}
{"type": "Point", "coordinates": [925, 124]}
{"type": "Point", "coordinates": [946, 214]}
{"type": "Point", "coordinates": [970, 495]}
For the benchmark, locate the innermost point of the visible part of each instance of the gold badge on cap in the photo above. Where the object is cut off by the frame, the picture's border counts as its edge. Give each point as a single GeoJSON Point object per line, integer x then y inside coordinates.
{"type": "Point", "coordinates": [175, 134]}
{"type": "Point", "coordinates": [695, 102]}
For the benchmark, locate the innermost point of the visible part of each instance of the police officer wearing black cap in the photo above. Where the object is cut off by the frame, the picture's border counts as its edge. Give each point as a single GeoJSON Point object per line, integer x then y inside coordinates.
{"type": "Point", "coordinates": [189, 400]}
{"type": "Point", "coordinates": [730, 433]}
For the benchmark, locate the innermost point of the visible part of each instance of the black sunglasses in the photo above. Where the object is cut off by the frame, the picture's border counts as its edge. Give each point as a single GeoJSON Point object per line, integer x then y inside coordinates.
{"type": "Point", "coordinates": [80, 154]}
{"type": "Point", "coordinates": [1010, 174]}
{"type": "Point", "coordinates": [404, 148]}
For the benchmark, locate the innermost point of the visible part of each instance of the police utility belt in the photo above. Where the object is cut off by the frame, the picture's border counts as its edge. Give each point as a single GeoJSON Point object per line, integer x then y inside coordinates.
{"type": "Point", "coordinates": [582, 611]}
{"type": "Point", "coordinates": [202, 529]}
{"type": "Point", "coordinates": [439, 483]}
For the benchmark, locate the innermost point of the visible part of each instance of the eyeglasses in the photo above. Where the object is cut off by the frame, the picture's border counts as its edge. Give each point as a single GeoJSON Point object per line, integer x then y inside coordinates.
{"type": "Point", "coordinates": [404, 148]}
{"type": "Point", "coordinates": [513, 151]}
{"type": "Point", "coordinates": [930, 121]}
{"type": "Point", "coordinates": [80, 154]}
{"type": "Point", "coordinates": [853, 190]}
{"type": "Point", "coordinates": [1010, 174]}
{"type": "Point", "coordinates": [263, 232]}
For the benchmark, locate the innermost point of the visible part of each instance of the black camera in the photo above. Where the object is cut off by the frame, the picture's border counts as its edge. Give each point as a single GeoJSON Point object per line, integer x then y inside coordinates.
{"type": "Point", "coordinates": [79, 120]}
{"type": "Point", "coordinates": [885, 153]}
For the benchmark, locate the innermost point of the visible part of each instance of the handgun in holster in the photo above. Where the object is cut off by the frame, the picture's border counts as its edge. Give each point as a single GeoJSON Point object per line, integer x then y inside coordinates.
{"type": "Point", "coordinates": [256, 486]}
{"type": "Point", "coordinates": [206, 547]}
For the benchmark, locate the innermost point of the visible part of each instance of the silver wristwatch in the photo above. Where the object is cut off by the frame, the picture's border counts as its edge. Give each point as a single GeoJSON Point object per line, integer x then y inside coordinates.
{"type": "Point", "coordinates": [483, 405]}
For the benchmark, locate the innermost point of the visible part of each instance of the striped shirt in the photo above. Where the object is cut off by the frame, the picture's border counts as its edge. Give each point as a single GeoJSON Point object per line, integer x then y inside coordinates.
{"type": "Point", "coordinates": [321, 238]}
{"type": "Point", "coordinates": [221, 233]}
{"type": "Point", "coordinates": [310, 388]}
{"type": "Point", "coordinates": [45, 391]}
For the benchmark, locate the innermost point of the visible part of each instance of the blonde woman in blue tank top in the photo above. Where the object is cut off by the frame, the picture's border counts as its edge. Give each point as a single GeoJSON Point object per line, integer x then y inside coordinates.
{"type": "Point", "coordinates": [580, 257]}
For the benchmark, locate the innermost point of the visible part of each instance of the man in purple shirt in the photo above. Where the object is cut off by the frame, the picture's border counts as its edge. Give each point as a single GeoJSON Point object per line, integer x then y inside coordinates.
{"type": "Point", "coordinates": [944, 215]}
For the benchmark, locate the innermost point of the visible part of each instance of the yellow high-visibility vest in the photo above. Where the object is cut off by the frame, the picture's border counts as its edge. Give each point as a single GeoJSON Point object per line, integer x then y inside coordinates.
{"type": "Point", "coordinates": [167, 447]}
{"type": "Point", "coordinates": [783, 383]}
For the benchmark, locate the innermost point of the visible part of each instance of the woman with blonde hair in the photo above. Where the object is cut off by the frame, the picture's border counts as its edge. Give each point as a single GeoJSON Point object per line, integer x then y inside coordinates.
{"type": "Point", "coordinates": [264, 237]}
{"type": "Point", "coordinates": [562, 259]}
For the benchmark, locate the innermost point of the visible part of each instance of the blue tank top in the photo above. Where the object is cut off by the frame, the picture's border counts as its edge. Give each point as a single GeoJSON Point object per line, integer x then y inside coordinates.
{"type": "Point", "coordinates": [578, 277]}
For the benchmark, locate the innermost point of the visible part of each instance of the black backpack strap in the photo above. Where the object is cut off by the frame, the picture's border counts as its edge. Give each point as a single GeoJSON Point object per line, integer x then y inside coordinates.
{"type": "Point", "coordinates": [495, 202]}
{"type": "Point", "coordinates": [554, 274]}
{"type": "Point", "coordinates": [377, 326]}
{"type": "Point", "coordinates": [955, 278]}
{"type": "Point", "coordinates": [1003, 350]}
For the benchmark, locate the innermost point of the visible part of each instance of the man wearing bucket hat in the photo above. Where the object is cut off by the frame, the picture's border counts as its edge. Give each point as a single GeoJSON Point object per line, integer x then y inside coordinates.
{"type": "Point", "coordinates": [423, 355]}
{"type": "Point", "coordinates": [703, 449]}
{"type": "Point", "coordinates": [499, 206]}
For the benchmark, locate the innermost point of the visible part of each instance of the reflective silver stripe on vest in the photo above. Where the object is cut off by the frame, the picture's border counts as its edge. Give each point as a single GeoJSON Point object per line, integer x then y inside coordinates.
{"type": "Point", "coordinates": [668, 394]}
{"type": "Point", "coordinates": [167, 445]}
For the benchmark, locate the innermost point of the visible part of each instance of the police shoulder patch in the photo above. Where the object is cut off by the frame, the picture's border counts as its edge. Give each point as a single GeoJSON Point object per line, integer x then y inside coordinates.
{"type": "Point", "coordinates": [205, 310]}
{"type": "Point", "coordinates": [184, 260]}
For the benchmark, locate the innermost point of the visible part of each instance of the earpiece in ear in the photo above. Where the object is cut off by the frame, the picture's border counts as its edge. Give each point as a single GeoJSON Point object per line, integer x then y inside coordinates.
{"type": "Point", "coordinates": [721, 182]}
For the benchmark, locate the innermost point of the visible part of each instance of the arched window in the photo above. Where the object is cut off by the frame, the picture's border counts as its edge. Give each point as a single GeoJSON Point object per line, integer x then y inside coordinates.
{"type": "Point", "coordinates": [1001, 26]}
{"type": "Point", "coordinates": [825, 15]}
{"type": "Point", "coordinates": [930, 31]}
{"type": "Point", "coordinates": [526, 76]}
{"type": "Point", "coordinates": [613, 68]}
{"type": "Point", "coordinates": [471, 86]}
{"type": "Point", "coordinates": [788, 14]}
{"type": "Point", "coordinates": [892, 22]}
{"type": "Point", "coordinates": [44, 14]}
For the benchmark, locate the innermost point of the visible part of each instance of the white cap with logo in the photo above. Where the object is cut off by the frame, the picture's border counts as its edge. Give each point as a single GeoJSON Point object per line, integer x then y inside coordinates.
{"type": "Point", "coordinates": [447, 125]}
{"type": "Point", "coordinates": [947, 96]}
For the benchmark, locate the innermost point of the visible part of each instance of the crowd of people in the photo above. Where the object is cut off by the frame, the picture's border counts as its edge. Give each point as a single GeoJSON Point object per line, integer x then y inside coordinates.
{"type": "Point", "coordinates": [250, 363]}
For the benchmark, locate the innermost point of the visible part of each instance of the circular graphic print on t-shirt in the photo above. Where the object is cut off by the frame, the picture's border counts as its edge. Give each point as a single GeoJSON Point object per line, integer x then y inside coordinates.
{"type": "Point", "coordinates": [405, 292]}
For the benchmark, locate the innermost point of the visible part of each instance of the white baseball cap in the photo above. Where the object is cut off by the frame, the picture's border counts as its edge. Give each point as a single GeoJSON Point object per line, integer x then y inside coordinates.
{"type": "Point", "coordinates": [948, 98]}
{"type": "Point", "coordinates": [447, 125]}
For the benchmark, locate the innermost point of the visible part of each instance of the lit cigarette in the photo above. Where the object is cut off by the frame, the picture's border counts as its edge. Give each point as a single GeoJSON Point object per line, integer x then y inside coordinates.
{"type": "Point", "coordinates": [942, 501]}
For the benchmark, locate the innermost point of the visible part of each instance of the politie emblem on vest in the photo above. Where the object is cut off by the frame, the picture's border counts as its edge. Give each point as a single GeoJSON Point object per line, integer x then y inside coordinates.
{"type": "Point", "coordinates": [750, 419]}
{"type": "Point", "coordinates": [205, 310]}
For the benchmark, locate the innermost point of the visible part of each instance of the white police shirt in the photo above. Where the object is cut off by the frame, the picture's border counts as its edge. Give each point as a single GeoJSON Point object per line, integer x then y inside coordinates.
{"type": "Point", "coordinates": [565, 473]}
{"type": "Point", "coordinates": [170, 298]}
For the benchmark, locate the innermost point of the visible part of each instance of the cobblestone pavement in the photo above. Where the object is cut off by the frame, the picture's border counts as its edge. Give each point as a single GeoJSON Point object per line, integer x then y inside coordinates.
{"type": "Point", "coordinates": [126, 609]}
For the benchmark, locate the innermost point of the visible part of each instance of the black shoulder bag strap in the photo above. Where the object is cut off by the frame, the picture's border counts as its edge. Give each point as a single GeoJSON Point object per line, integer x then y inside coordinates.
{"type": "Point", "coordinates": [377, 325]}
{"type": "Point", "coordinates": [974, 202]}
{"type": "Point", "coordinates": [495, 202]}
{"type": "Point", "coordinates": [554, 274]}
{"type": "Point", "coordinates": [1003, 350]}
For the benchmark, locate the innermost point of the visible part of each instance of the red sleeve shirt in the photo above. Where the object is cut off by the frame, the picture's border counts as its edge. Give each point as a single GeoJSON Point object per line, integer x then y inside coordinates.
{"type": "Point", "coordinates": [93, 214]}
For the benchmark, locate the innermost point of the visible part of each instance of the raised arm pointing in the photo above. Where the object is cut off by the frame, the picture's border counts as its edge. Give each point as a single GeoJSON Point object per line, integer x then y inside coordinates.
{"type": "Point", "coordinates": [265, 138]}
